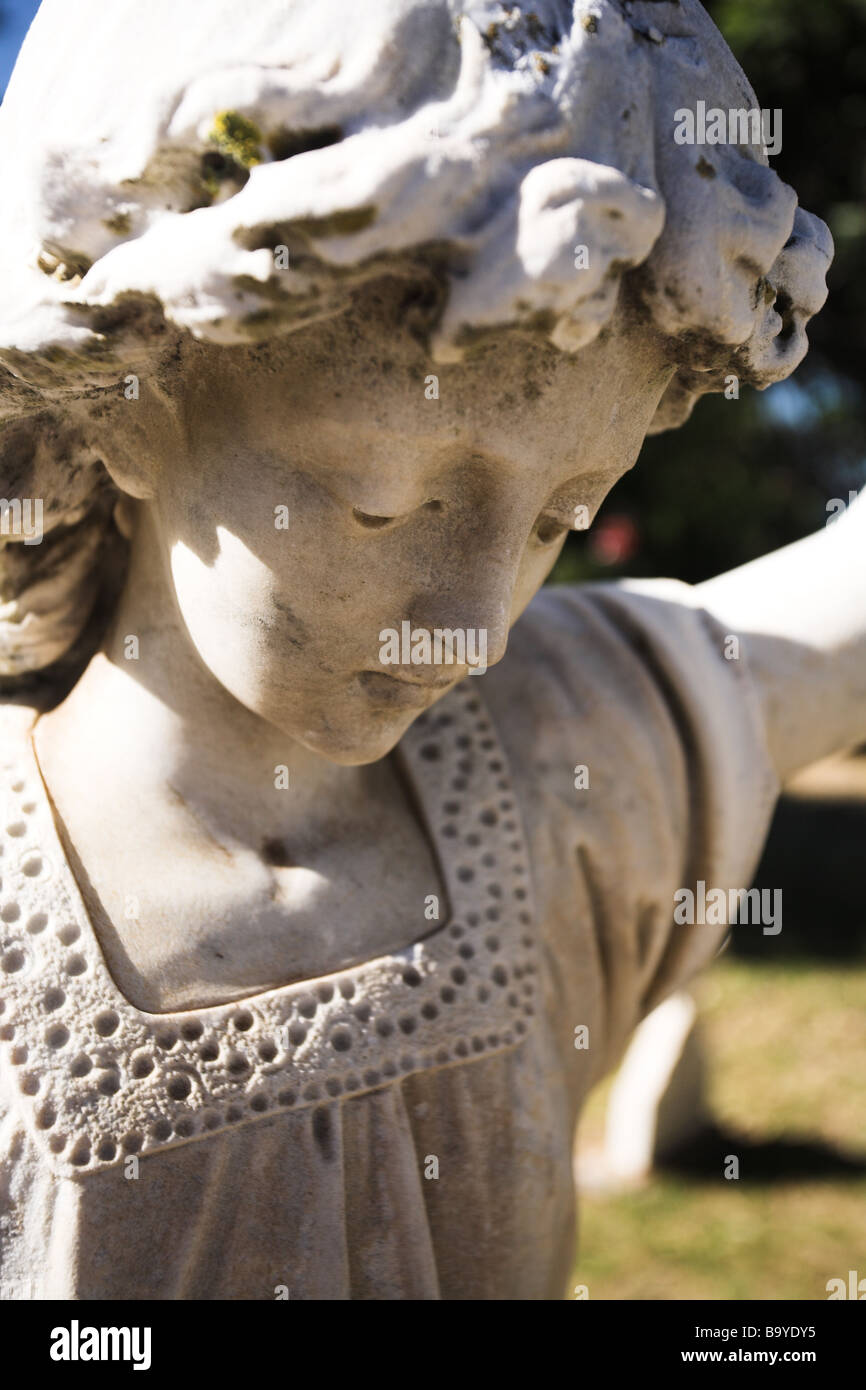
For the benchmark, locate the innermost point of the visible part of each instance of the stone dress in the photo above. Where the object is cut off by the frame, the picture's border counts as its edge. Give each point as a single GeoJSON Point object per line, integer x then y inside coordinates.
{"type": "Point", "coordinates": [289, 1141]}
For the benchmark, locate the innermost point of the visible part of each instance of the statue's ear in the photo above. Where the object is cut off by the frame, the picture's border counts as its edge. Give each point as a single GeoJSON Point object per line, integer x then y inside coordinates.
{"type": "Point", "coordinates": [124, 516]}
{"type": "Point", "coordinates": [134, 427]}
{"type": "Point", "coordinates": [127, 475]}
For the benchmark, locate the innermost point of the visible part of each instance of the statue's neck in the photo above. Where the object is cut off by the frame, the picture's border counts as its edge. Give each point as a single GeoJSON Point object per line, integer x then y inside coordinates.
{"type": "Point", "coordinates": [148, 710]}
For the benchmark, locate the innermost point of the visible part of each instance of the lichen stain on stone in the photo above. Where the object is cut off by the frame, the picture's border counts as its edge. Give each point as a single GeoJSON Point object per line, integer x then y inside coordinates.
{"type": "Point", "coordinates": [705, 168]}
{"type": "Point", "coordinates": [342, 223]}
{"type": "Point", "coordinates": [238, 137]}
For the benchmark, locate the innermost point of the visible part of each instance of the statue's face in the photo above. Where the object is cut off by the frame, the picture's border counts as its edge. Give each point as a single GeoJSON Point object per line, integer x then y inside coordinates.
{"type": "Point", "coordinates": [444, 513]}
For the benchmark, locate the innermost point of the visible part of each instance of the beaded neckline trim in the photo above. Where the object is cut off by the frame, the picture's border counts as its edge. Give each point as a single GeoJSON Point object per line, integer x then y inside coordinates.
{"type": "Point", "coordinates": [100, 1079]}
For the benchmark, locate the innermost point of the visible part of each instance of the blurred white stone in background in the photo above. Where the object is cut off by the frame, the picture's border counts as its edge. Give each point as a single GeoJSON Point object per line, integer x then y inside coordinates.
{"type": "Point", "coordinates": [657, 1102]}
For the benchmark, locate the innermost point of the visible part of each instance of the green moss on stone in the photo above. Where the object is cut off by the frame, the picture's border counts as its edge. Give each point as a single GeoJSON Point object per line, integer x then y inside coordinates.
{"type": "Point", "coordinates": [237, 137]}
{"type": "Point", "coordinates": [342, 223]}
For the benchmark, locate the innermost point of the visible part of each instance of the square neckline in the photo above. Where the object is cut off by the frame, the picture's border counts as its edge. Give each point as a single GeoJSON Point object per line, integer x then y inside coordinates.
{"type": "Point", "coordinates": [101, 1078]}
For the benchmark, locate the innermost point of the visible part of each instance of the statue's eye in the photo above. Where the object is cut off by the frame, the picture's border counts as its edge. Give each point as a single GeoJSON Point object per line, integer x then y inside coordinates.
{"type": "Point", "coordinates": [550, 528]}
{"type": "Point", "coordinates": [372, 523]}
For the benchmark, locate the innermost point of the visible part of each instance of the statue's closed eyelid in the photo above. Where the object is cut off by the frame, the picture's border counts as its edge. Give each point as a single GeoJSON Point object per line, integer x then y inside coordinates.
{"type": "Point", "coordinates": [374, 521]}
{"type": "Point", "coordinates": [369, 520]}
{"type": "Point", "coordinates": [369, 515]}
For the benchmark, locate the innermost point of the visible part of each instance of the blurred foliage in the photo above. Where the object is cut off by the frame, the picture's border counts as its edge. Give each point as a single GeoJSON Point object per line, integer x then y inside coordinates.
{"type": "Point", "coordinates": [743, 477]}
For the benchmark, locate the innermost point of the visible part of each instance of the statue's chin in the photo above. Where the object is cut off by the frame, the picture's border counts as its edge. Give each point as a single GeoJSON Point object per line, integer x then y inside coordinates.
{"type": "Point", "coordinates": [341, 735]}
{"type": "Point", "coordinates": [359, 729]}
{"type": "Point", "coordinates": [355, 748]}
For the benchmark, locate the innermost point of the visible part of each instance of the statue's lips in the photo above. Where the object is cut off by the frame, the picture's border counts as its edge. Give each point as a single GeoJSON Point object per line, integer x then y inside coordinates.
{"type": "Point", "coordinates": [398, 689]}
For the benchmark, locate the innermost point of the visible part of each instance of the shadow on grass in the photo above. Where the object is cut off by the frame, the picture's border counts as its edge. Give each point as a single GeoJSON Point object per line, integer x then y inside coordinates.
{"type": "Point", "coordinates": [814, 853]}
{"type": "Point", "coordinates": [761, 1161]}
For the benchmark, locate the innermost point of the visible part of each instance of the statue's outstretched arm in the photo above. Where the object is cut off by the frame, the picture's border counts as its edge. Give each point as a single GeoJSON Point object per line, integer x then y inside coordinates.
{"type": "Point", "coordinates": [800, 613]}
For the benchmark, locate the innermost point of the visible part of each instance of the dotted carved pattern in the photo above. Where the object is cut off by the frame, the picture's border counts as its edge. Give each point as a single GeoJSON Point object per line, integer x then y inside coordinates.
{"type": "Point", "coordinates": [100, 1079]}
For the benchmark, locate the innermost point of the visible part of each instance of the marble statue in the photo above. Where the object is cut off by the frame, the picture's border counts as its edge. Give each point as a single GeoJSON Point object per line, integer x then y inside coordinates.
{"type": "Point", "coordinates": [324, 899]}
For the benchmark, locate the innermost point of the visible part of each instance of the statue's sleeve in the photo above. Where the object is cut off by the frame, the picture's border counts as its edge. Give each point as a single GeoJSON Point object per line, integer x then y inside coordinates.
{"type": "Point", "coordinates": [637, 741]}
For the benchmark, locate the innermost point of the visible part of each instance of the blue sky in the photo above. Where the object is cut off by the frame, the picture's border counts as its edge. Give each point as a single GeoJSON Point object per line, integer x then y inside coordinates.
{"type": "Point", "coordinates": [15, 17]}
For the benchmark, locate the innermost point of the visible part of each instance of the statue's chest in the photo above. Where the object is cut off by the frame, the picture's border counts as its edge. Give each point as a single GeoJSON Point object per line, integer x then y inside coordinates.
{"type": "Point", "coordinates": [200, 932]}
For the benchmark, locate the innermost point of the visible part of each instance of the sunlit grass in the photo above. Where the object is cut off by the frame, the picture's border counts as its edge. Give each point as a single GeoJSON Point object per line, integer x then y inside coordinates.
{"type": "Point", "coordinates": [788, 1059]}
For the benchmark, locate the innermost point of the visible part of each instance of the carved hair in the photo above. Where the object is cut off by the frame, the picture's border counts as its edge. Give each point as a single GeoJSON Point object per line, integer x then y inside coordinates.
{"type": "Point", "coordinates": [237, 173]}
